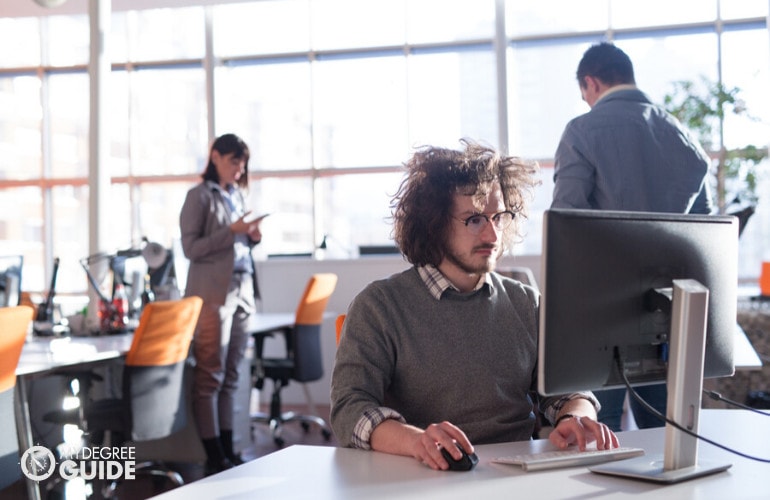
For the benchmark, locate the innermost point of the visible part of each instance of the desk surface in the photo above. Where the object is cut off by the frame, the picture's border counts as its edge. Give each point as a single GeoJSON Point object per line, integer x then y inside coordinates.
{"type": "Point", "coordinates": [745, 357]}
{"type": "Point", "coordinates": [44, 354]}
{"type": "Point", "coordinates": [320, 472]}
{"type": "Point", "coordinates": [269, 322]}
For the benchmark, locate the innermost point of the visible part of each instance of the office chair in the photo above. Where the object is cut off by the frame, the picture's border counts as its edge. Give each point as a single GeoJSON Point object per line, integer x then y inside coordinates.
{"type": "Point", "coordinates": [302, 362]}
{"type": "Point", "coordinates": [153, 402]}
{"type": "Point", "coordinates": [523, 274]}
{"type": "Point", "coordinates": [338, 325]}
{"type": "Point", "coordinates": [15, 323]}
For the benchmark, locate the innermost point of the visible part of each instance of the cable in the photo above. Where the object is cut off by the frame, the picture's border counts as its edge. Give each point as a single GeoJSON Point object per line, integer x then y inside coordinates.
{"type": "Point", "coordinates": [718, 397]}
{"type": "Point", "coordinates": [662, 417]}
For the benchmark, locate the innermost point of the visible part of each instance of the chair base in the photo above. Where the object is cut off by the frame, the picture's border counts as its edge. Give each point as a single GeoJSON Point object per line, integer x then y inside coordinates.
{"type": "Point", "coordinates": [276, 424]}
{"type": "Point", "coordinates": [109, 488]}
{"type": "Point", "coordinates": [276, 418]}
{"type": "Point", "coordinates": [152, 469]}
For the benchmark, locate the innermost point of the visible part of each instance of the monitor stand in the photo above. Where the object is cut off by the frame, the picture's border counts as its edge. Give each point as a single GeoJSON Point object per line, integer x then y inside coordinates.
{"type": "Point", "coordinates": [685, 384]}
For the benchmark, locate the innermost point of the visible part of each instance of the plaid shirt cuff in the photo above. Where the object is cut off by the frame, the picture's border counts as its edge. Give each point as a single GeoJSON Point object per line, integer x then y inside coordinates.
{"type": "Point", "coordinates": [552, 411]}
{"type": "Point", "coordinates": [371, 418]}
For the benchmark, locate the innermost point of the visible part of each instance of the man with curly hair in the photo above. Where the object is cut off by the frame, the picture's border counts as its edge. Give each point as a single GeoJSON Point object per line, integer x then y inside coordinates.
{"type": "Point", "coordinates": [445, 352]}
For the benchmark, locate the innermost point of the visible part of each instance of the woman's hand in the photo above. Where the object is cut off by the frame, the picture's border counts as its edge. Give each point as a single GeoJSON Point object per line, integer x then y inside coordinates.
{"type": "Point", "coordinates": [255, 234]}
{"type": "Point", "coordinates": [241, 226]}
{"type": "Point", "coordinates": [251, 228]}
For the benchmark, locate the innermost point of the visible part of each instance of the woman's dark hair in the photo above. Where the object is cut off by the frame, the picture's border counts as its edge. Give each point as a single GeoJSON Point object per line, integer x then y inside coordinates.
{"type": "Point", "coordinates": [607, 63]}
{"type": "Point", "coordinates": [224, 145]}
{"type": "Point", "coordinates": [422, 207]}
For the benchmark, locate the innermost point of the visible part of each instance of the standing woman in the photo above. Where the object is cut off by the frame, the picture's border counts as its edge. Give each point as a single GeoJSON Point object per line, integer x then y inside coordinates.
{"type": "Point", "coordinates": [217, 239]}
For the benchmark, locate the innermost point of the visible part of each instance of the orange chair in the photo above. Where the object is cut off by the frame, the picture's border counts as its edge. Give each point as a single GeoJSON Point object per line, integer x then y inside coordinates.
{"type": "Point", "coordinates": [302, 361]}
{"type": "Point", "coordinates": [764, 279]}
{"type": "Point", "coordinates": [153, 403]}
{"type": "Point", "coordinates": [338, 324]}
{"type": "Point", "coordinates": [15, 323]}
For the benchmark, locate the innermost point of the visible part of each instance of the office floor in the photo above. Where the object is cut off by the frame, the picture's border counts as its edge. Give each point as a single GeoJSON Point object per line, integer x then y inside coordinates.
{"type": "Point", "coordinates": [143, 487]}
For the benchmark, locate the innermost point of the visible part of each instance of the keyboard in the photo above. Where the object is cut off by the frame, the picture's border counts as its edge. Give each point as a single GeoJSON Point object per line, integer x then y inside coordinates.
{"type": "Point", "coordinates": [572, 457]}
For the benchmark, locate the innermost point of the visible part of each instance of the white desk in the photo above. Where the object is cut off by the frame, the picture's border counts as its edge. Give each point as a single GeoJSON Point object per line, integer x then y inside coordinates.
{"type": "Point", "coordinates": [745, 357]}
{"type": "Point", "coordinates": [262, 323]}
{"type": "Point", "coordinates": [319, 472]}
{"type": "Point", "coordinates": [42, 356]}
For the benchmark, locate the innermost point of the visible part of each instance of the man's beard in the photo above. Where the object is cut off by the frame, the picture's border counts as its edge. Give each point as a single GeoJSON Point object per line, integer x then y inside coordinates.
{"type": "Point", "coordinates": [466, 266]}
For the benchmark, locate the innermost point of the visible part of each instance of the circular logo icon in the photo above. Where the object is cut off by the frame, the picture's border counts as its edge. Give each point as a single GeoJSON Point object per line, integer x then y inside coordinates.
{"type": "Point", "coordinates": [38, 463]}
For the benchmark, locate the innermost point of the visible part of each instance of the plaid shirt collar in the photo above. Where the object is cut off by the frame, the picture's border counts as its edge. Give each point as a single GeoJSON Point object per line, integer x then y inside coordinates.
{"type": "Point", "coordinates": [437, 283]}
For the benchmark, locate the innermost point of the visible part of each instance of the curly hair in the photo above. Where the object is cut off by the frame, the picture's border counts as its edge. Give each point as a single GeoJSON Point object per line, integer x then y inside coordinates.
{"type": "Point", "coordinates": [422, 207]}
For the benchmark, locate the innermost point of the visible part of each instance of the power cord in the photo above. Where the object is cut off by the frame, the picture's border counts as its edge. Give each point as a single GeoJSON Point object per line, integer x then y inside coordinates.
{"type": "Point", "coordinates": [718, 397]}
{"type": "Point", "coordinates": [662, 417]}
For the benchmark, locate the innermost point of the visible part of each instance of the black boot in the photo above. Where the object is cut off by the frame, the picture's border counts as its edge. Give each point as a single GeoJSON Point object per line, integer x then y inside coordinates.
{"type": "Point", "coordinates": [226, 437]}
{"type": "Point", "coordinates": [216, 461]}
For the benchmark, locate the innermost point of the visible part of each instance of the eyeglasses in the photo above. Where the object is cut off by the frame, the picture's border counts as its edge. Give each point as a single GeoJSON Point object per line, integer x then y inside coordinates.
{"type": "Point", "coordinates": [476, 223]}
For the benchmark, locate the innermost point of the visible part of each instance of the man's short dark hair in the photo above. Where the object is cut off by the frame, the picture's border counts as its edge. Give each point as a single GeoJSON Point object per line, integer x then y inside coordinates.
{"type": "Point", "coordinates": [607, 63]}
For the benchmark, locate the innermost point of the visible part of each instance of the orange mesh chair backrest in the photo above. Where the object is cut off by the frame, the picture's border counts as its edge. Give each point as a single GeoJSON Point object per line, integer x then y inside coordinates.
{"type": "Point", "coordinates": [313, 303]}
{"type": "Point", "coordinates": [340, 321]}
{"type": "Point", "coordinates": [164, 333]}
{"type": "Point", "coordinates": [14, 322]}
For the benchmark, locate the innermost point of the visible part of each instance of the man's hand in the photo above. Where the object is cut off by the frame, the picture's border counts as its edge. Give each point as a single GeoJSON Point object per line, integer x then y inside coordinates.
{"type": "Point", "coordinates": [583, 430]}
{"type": "Point", "coordinates": [427, 447]}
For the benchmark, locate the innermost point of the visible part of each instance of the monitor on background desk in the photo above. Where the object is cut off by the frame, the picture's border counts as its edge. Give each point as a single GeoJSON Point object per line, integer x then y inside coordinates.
{"type": "Point", "coordinates": [625, 289]}
{"type": "Point", "coordinates": [10, 280]}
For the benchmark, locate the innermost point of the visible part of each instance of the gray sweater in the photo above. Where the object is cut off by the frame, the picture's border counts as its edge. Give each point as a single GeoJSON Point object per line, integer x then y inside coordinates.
{"type": "Point", "coordinates": [469, 358]}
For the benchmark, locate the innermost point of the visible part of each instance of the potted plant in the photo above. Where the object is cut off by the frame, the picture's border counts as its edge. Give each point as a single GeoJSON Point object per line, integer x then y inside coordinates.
{"type": "Point", "coordinates": [702, 109]}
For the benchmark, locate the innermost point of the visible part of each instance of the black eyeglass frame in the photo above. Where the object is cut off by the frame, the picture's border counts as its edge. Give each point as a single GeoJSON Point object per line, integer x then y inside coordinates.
{"type": "Point", "coordinates": [496, 219]}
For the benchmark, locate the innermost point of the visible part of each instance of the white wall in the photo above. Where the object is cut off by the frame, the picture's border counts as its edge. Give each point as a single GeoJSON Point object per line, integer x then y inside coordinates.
{"type": "Point", "coordinates": [282, 282]}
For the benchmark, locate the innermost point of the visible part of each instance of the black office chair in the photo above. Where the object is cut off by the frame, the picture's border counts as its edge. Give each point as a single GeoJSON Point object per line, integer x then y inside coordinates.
{"type": "Point", "coordinates": [302, 361]}
{"type": "Point", "coordinates": [153, 402]}
{"type": "Point", "coordinates": [523, 274]}
{"type": "Point", "coordinates": [15, 323]}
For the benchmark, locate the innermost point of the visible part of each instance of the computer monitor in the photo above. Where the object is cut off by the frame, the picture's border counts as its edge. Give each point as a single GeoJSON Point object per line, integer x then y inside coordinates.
{"type": "Point", "coordinates": [10, 280]}
{"type": "Point", "coordinates": [607, 302]}
{"type": "Point", "coordinates": [378, 250]}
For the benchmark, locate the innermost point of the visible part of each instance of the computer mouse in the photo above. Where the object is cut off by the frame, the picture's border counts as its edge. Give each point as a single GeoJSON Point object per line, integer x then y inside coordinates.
{"type": "Point", "coordinates": [466, 462]}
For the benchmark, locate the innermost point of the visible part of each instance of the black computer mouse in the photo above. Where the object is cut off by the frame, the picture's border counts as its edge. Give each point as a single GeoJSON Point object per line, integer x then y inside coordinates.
{"type": "Point", "coordinates": [466, 462]}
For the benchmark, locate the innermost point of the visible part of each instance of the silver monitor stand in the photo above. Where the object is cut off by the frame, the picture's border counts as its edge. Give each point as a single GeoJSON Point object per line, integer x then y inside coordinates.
{"type": "Point", "coordinates": [685, 384]}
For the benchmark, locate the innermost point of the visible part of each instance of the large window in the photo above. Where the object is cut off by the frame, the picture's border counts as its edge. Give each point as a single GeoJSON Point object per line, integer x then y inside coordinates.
{"type": "Point", "coordinates": [332, 96]}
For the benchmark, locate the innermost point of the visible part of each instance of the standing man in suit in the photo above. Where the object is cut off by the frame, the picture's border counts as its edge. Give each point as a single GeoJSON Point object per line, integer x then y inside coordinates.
{"type": "Point", "coordinates": [627, 153]}
{"type": "Point", "coordinates": [217, 237]}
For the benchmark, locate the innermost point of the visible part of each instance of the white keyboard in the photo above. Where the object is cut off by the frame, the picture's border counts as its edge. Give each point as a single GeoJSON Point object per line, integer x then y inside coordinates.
{"type": "Point", "coordinates": [568, 458]}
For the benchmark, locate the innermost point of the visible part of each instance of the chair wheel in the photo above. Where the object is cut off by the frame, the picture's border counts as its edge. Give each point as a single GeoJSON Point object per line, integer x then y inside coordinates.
{"type": "Point", "coordinates": [305, 426]}
{"type": "Point", "coordinates": [279, 442]}
{"type": "Point", "coordinates": [326, 434]}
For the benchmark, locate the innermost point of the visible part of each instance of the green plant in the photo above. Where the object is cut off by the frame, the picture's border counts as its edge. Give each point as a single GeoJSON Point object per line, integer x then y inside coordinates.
{"type": "Point", "coordinates": [702, 108]}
